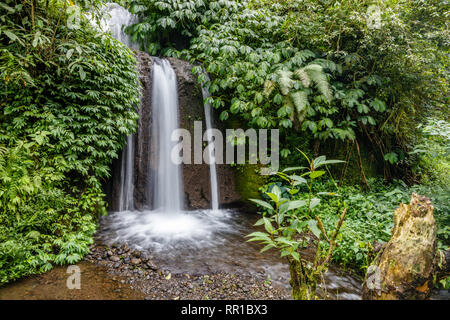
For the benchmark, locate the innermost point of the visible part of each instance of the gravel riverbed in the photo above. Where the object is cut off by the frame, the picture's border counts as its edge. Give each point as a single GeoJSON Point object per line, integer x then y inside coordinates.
{"type": "Point", "coordinates": [138, 271]}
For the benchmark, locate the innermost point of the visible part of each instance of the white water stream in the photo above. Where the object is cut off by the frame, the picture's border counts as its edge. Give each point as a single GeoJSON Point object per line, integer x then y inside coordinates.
{"type": "Point", "coordinates": [212, 158]}
{"type": "Point", "coordinates": [167, 184]}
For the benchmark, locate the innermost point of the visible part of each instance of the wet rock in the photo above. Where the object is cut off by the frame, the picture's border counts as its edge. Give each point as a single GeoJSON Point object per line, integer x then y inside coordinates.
{"type": "Point", "coordinates": [135, 261]}
{"type": "Point", "coordinates": [136, 253]}
{"type": "Point", "coordinates": [196, 176]}
{"type": "Point", "coordinates": [114, 258]}
{"type": "Point", "coordinates": [151, 265]}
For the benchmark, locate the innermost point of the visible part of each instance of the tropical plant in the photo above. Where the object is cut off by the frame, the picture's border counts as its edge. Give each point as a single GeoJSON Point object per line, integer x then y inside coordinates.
{"type": "Point", "coordinates": [291, 223]}
{"type": "Point", "coordinates": [68, 99]}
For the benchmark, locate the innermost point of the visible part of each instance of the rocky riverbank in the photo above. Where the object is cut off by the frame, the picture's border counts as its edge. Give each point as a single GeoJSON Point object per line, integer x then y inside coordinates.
{"type": "Point", "coordinates": [119, 273]}
{"type": "Point", "coordinates": [138, 270]}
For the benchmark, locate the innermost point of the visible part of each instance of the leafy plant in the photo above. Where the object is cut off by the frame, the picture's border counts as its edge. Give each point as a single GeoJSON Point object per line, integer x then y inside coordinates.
{"type": "Point", "coordinates": [68, 99]}
{"type": "Point", "coordinates": [314, 67]}
{"type": "Point", "coordinates": [291, 223]}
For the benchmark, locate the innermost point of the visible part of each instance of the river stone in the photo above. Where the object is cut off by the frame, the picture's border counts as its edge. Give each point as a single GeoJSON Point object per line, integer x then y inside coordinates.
{"type": "Point", "coordinates": [406, 265]}
{"type": "Point", "coordinates": [135, 261]}
{"type": "Point", "coordinates": [114, 258]}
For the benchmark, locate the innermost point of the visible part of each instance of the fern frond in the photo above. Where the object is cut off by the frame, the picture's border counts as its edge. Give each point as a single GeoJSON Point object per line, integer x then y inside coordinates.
{"type": "Point", "coordinates": [269, 85]}
{"type": "Point", "coordinates": [303, 76]}
{"type": "Point", "coordinates": [300, 100]}
{"type": "Point", "coordinates": [284, 81]}
{"type": "Point", "coordinates": [316, 74]}
{"type": "Point", "coordinates": [289, 106]}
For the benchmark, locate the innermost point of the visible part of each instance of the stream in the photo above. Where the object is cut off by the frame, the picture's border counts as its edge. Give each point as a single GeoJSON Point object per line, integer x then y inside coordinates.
{"type": "Point", "coordinates": [209, 241]}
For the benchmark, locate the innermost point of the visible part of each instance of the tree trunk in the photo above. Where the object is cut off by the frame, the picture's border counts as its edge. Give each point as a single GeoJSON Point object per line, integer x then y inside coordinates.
{"type": "Point", "coordinates": [407, 265]}
{"type": "Point", "coordinates": [302, 289]}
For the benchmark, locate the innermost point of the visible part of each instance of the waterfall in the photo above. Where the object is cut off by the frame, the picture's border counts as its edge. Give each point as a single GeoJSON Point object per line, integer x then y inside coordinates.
{"type": "Point", "coordinates": [126, 201]}
{"type": "Point", "coordinates": [212, 158]}
{"type": "Point", "coordinates": [115, 18]}
{"type": "Point", "coordinates": [167, 184]}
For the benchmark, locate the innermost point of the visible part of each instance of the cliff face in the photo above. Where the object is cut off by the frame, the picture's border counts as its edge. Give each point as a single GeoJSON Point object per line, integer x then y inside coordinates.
{"type": "Point", "coordinates": [197, 189]}
{"type": "Point", "coordinates": [196, 179]}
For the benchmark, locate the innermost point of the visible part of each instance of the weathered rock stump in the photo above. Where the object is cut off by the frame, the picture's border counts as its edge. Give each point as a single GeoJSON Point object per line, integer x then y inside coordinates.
{"type": "Point", "coordinates": [407, 265]}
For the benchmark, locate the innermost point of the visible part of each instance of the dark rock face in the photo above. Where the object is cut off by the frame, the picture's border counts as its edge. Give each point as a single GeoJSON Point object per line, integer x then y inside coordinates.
{"type": "Point", "coordinates": [142, 164]}
{"type": "Point", "coordinates": [196, 179]}
{"type": "Point", "coordinates": [197, 188]}
{"type": "Point", "coordinates": [141, 138]}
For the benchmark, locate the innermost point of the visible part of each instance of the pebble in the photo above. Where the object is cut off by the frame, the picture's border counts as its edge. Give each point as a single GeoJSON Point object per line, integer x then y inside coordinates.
{"type": "Point", "coordinates": [181, 286]}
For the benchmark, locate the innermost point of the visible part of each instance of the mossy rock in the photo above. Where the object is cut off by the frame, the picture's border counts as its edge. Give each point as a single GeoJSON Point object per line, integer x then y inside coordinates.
{"type": "Point", "coordinates": [248, 181]}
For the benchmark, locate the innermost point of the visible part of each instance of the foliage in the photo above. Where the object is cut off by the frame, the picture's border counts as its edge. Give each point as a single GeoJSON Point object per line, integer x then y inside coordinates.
{"type": "Point", "coordinates": [369, 217]}
{"type": "Point", "coordinates": [432, 152]}
{"type": "Point", "coordinates": [68, 96]}
{"type": "Point", "coordinates": [340, 69]}
{"type": "Point", "coordinates": [295, 222]}
{"type": "Point", "coordinates": [165, 26]}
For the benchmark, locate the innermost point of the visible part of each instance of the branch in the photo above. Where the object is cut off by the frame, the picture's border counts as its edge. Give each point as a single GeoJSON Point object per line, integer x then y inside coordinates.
{"type": "Point", "coordinates": [333, 239]}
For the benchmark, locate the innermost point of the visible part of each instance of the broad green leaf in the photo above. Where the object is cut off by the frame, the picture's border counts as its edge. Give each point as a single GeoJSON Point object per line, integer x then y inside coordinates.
{"type": "Point", "coordinates": [272, 196]}
{"type": "Point", "coordinates": [263, 204]}
{"type": "Point", "coordinates": [296, 204]}
{"type": "Point", "coordinates": [316, 174]}
{"type": "Point", "coordinates": [317, 161]}
{"type": "Point", "coordinates": [295, 255]}
{"type": "Point", "coordinates": [10, 35]}
{"type": "Point", "coordinates": [258, 235]}
{"type": "Point", "coordinates": [268, 225]}
{"type": "Point", "coordinates": [329, 162]}
{"type": "Point", "coordinates": [294, 169]}
{"type": "Point", "coordinates": [298, 180]}
{"type": "Point", "coordinates": [312, 224]}
{"type": "Point", "coordinates": [260, 222]}
{"type": "Point", "coordinates": [267, 247]}
{"type": "Point", "coordinates": [276, 190]}
{"type": "Point", "coordinates": [314, 203]}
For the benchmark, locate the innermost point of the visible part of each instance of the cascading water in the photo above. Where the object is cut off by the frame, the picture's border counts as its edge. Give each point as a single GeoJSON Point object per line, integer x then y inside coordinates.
{"type": "Point", "coordinates": [126, 201]}
{"type": "Point", "coordinates": [167, 185]}
{"type": "Point", "coordinates": [196, 241]}
{"type": "Point", "coordinates": [212, 158]}
{"type": "Point", "coordinates": [115, 19]}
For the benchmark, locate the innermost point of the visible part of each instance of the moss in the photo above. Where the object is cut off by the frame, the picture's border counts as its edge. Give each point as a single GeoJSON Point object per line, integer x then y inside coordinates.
{"type": "Point", "coordinates": [248, 181]}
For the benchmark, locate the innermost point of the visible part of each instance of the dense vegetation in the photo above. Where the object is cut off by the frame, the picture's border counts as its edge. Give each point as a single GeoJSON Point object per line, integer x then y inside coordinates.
{"type": "Point", "coordinates": [68, 98]}
{"type": "Point", "coordinates": [362, 83]}
{"type": "Point", "coordinates": [321, 68]}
